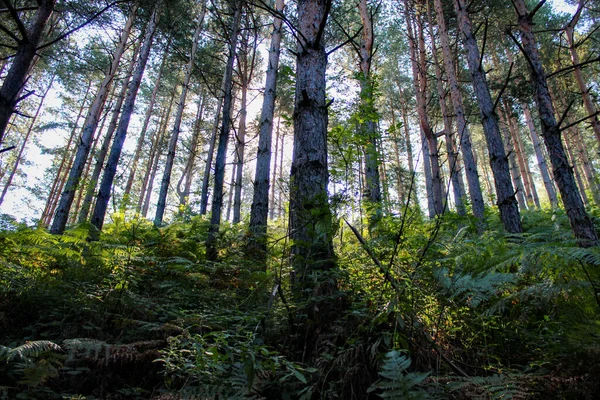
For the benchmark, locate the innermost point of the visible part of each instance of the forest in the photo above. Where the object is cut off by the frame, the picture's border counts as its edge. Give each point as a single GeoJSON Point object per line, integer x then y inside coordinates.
{"type": "Point", "coordinates": [299, 199]}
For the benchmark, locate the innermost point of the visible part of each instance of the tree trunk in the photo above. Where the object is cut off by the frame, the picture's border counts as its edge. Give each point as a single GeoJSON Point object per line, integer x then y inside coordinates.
{"type": "Point", "coordinates": [581, 224]}
{"type": "Point", "coordinates": [13, 171]}
{"type": "Point", "coordinates": [90, 188]}
{"type": "Point", "coordinates": [280, 181]}
{"type": "Point", "coordinates": [395, 139]}
{"type": "Point", "coordinates": [110, 171]}
{"type": "Point", "coordinates": [166, 180]}
{"type": "Point", "coordinates": [87, 135]}
{"type": "Point", "coordinates": [530, 191]}
{"type": "Point", "coordinates": [419, 70]}
{"type": "Point", "coordinates": [310, 223]}
{"type": "Point", "coordinates": [464, 135]}
{"type": "Point", "coordinates": [246, 71]}
{"type": "Point", "coordinates": [217, 198]}
{"type": "Point", "coordinates": [369, 127]}
{"type": "Point", "coordinates": [211, 151]}
{"type": "Point", "coordinates": [260, 198]}
{"type": "Point", "coordinates": [453, 166]}
{"type": "Point", "coordinates": [142, 137]}
{"type": "Point", "coordinates": [155, 158]}
{"type": "Point", "coordinates": [14, 81]}
{"type": "Point", "coordinates": [541, 160]}
{"type": "Point", "coordinates": [187, 175]}
{"type": "Point", "coordinates": [507, 203]}
{"type": "Point", "coordinates": [46, 216]}
{"type": "Point", "coordinates": [590, 107]}
{"type": "Point", "coordinates": [515, 172]}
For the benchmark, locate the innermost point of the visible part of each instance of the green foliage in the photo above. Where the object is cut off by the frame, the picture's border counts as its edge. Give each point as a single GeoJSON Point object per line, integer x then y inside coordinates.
{"type": "Point", "coordinates": [396, 382]}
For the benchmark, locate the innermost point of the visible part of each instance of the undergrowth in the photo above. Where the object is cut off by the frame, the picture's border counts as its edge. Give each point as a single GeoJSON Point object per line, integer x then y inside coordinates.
{"type": "Point", "coordinates": [431, 310]}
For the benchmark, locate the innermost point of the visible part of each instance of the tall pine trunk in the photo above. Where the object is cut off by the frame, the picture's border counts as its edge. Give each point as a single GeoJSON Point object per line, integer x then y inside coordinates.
{"type": "Point", "coordinates": [260, 198]}
{"type": "Point", "coordinates": [581, 224]}
{"type": "Point", "coordinates": [101, 156]}
{"type": "Point", "coordinates": [310, 223]}
{"type": "Point", "coordinates": [464, 135]}
{"type": "Point", "coordinates": [110, 171]}
{"type": "Point", "coordinates": [505, 193]}
{"type": "Point", "coordinates": [166, 180]}
{"type": "Point", "coordinates": [87, 136]}
{"type": "Point", "coordinates": [217, 199]}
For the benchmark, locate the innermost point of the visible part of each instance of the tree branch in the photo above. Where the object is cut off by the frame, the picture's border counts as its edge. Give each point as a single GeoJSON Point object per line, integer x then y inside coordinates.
{"type": "Point", "coordinates": [503, 86]}
{"type": "Point", "coordinates": [15, 16]}
{"type": "Point", "coordinates": [580, 121]}
{"type": "Point", "coordinates": [87, 22]}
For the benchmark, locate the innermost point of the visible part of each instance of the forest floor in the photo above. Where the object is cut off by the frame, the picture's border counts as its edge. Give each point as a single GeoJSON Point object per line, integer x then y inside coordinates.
{"type": "Point", "coordinates": [142, 315]}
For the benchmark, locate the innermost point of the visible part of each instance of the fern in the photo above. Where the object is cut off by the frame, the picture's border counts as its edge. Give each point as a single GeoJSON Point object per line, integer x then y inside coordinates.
{"type": "Point", "coordinates": [474, 289]}
{"type": "Point", "coordinates": [496, 387]}
{"type": "Point", "coordinates": [28, 350]}
{"type": "Point", "coordinates": [396, 383]}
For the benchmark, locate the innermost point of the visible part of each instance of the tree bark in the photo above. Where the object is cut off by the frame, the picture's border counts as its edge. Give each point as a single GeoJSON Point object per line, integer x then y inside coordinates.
{"type": "Point", "coordinates": [453, 166]}
{"type": "Point", "coordinates": [90, 188]}
{"type": "Point", "coordinates": [370, 115]}
{"type": "Point", "coordinates": [310, 217]}
{"type": "Point", "coordinates": [464, 135]}
{"type": "Point", "coordinates": [260, 198]}
{"type": "Point", "coordinates": [577, 70]}
{"type": "Point", "coordinates": [217, 198]}
{"type": "Point", "coordinates": [419, 70]}
{"type": "Point", "coordinates": [581, 224]}
{"type": "Point", "coordinates": [16, 78]}
{"type": "Point", "coordinates": [507, 203]}
{"type": "Point", "coordinates": [166, 180]}
{"type": "Point", "coordinates": [110, 171]}
{"type": "Point", "coordinates": [246, 72]}
{"type": "Point", "coordinates": [143, 131]}
{"type": "Point", "coordinates": [87, 135]}
{"type": "Point", "coordinates": [54, 193]}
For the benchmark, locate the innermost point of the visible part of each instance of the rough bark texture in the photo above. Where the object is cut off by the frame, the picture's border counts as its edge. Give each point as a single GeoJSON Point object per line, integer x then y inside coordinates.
{"type": "Point", "coordinates": [507, 203]}
{"type": "Point", "coordinates": [110, 171]}
{"type": "Point", "coordinates": [14, 82]}
{"type": "Point", "coordinates": [260, 198]}
{"type": "Point", "coordinates": [581, 224]}
{"type": "Point", "coordinates": [217, 199]}
{"type": "Point", "coordinates": [310, 217]}
{"type": "Point", "coordinates": [464, 135]}
{"type": "Point", "coordinates": [87, 135]}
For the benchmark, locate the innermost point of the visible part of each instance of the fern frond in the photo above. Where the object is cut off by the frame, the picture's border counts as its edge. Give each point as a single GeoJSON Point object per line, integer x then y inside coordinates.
{"type": "Point", "coordinates": [30, 350]}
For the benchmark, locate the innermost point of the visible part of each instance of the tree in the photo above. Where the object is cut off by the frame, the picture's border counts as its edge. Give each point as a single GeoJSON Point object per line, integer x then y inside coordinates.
{"type": "Point", "coordinates": [219, 176]}
{"type": "Point", "coordinates": [464, 133]}
{"type": "Point", "coordinates": [166, 180]}
{"type": "Point", "coordinates": [260, 198]}
{"type": "Point", "coordinates": [110, 171]}
{"type": "Point", "coordinates": [27, 47]}
{"type": "Point", "coordinates": [310, 217]}
{"type": "Point", "coordinates": [87, 135]}
{"type": "Point", "coordinates": [581, 224]}
{"type": "Point", "coordinates": [506, 201]}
